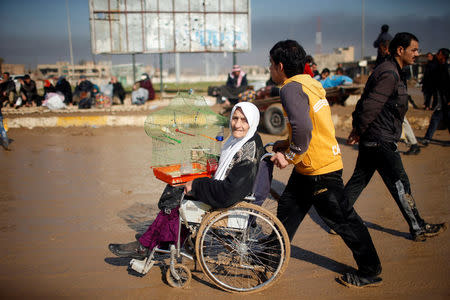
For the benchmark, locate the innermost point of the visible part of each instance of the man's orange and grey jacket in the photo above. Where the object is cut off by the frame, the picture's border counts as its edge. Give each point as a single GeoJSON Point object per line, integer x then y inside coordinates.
{"type": "Point", "coordinates": [313, 147]}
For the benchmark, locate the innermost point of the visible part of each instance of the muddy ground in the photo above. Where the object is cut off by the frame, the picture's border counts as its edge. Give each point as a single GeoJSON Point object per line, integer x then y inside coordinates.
{"type": "Point", "coordinates": [66, 193]}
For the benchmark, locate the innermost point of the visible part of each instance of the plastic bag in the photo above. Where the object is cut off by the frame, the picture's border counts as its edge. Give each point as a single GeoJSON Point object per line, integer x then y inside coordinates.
{"type": "Point", "coordinates": [54, 101]}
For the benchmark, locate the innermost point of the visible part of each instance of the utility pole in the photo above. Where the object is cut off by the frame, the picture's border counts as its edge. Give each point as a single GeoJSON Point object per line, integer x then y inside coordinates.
{"type": "Point", "coordinates": [362, 31]}
{"type": "Point", "coordinates": [161, 88]}
{"type": "Point", "coordinates": [133, 60]}
{"type": "Point", "coordinates": [177, 67]}
{"type": "Point", "coordinates": [70, 38]}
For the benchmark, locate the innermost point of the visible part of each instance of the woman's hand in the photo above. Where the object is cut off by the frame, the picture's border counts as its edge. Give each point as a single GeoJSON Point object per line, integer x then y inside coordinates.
{"type": "Point", "coordinates": [188, 188]}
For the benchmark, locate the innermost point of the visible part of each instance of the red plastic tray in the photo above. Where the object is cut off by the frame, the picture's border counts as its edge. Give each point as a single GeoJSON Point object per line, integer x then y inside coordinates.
{"type": "Point", "coordinates": [172, 175]}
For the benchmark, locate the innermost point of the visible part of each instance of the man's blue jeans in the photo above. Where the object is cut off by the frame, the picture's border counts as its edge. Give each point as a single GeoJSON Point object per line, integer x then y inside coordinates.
{"type": "Point", "coordinates": [5, 139]}
{"type": "Point", "coordinates": [436, 118]}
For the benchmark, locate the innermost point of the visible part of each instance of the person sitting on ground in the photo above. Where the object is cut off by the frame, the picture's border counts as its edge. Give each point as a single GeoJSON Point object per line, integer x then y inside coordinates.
{"type": "Point", "coordinates": [83, 92]}
{"type": "Point", "coordinates": [142, 90]}
{"type": "Point", "coordinates": [48, 88]}
{"type": "Point", "coordinates": [63, 86]}
{"type": "Point", "coordinates": [236, 84]}
{"type": "Point", "coordinates": [8, 91]}
{"type": "Point", "coordinates": [100, 97]}
{"type": "Point", "coordinates": [29, 93]}
{"type": "Point", "coordinates": [336, 80]}
{"type": "Point", "coordinates": [314, 69]}
{"type": "Point", "coordinates": [308, 61]}
{"type": "Point", "coordinates": [232, 181]}
{"type": "Point", "coordinates": [270, 90]}
{"type": "Point", "coordinates": [325, 73]}
{"type": "Point", "coordinates": [118, 90]}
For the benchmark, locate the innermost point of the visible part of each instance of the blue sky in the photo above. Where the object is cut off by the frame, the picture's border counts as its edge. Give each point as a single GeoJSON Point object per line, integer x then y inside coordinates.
{"type": "Point", "coordinates": [36, 31]}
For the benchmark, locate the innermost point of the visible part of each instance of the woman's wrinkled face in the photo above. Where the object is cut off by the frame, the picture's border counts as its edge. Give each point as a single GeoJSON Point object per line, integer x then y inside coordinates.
{"type": "Point", "coordinates": [239, 124]}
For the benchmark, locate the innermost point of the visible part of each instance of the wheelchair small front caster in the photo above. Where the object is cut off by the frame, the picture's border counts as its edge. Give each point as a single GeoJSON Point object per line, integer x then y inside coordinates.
{"type": "Point", "coordinates": [181, 279]}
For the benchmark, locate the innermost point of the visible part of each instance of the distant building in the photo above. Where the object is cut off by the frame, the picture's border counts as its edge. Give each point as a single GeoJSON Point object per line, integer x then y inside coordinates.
{"type": "Point", "coordinates": [254, 70]}
{"type": "Point", "coordinates": [100, 70]}
{"type": "Point", "coordinates": [331, 60]}
{"type": "Point", "coordinates": [13, 69]}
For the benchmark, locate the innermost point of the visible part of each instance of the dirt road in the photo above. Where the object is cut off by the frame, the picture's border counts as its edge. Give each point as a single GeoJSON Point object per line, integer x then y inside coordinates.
{"type": "Point", "coordinates": [66, 193]}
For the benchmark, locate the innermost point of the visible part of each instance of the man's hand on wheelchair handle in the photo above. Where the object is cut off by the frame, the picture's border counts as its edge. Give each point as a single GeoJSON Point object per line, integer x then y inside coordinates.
{"type": "Point", "coordinates": [279, 160]}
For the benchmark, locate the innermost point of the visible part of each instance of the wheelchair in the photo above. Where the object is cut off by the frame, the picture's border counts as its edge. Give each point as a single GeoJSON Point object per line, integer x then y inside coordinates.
{"type": "Point", "coordinates": [241, 249]}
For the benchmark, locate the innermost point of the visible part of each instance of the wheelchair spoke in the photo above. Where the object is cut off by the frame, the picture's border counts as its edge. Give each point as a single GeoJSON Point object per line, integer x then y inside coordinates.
{"type": "Point", "coordinates": [243, 249]}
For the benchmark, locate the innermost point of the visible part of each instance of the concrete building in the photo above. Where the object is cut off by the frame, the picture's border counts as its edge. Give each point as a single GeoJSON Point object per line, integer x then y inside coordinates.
{"type": "Point", "coordinates": [91, 70]}
{"type": "Point", "coordinates": [13, 69]}
{"type": "Point", "coordinates": [331, 60]}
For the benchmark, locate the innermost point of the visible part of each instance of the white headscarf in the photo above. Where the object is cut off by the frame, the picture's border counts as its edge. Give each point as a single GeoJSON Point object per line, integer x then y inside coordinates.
{"type": "Point", "coordinates": [232, 145]}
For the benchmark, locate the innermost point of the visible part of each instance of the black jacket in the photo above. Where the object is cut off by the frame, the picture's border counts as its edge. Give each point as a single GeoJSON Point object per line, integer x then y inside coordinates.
{"type": "Point", "coordinates": [8, 86]}
{"type": "Point", "coordinates": [84, 86]}
{"type": "Point", "coordinates": [29, 89]}
{"type": "Point", "coordinates": [232, 81]}
{"type": "Point", "coordinates": [239, 180]}
{"type": "Point", "coordinates": [64, 87]}
{"type": "Point", "coordinates": [429, 76]}
{"type": "Point", "coordinates": [379, 113]}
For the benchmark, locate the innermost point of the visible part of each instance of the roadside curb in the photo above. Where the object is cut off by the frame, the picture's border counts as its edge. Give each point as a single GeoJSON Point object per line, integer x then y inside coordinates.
{"type": "Point", "coordinates": [138, 121]}
{"type": "Point", "coordinates": [79, 121]}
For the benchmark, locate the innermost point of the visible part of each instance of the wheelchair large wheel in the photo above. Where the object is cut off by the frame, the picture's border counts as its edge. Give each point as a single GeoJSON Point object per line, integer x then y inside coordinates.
{"type": "Point", "coordinates": [243, 249]}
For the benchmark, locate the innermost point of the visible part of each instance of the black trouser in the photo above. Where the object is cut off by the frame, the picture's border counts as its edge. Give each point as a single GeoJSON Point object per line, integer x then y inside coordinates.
{"type": "Point", "coordinates": [384, 158]}
{"type": "Point", "coordinates": [325, 192]}
{"type": "Point", "coordinates": [428, 95]}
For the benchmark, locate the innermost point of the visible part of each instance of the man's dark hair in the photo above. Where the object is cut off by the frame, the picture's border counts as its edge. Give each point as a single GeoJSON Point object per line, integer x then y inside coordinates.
{"type": "Point", "coordinates": [291, 55]}
{"type": "Point", "coordinates": [326, 70]}
{"type": "Point", "coordinates": [339, 70]}
{"type": "Point", "coordinates": [385, 28]}
{"type": "Point", "coordinates": [309, 59]}
{"type": "Point", "coordinates": [401, 39]}
{"type": "Point", "coordinates": [444, 52]}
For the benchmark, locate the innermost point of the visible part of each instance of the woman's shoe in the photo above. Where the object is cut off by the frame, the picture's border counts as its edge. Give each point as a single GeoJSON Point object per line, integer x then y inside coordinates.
{"type": "Point", "coordinates": [133, 250]}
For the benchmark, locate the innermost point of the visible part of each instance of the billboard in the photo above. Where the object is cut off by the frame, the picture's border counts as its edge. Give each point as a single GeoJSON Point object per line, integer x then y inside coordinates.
{"type": "Point", "coordinates": [168, 26]}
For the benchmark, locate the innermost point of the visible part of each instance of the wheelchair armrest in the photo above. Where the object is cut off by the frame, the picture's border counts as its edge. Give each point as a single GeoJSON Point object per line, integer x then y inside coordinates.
{"type": "Point", "coordinates": [250, 198]}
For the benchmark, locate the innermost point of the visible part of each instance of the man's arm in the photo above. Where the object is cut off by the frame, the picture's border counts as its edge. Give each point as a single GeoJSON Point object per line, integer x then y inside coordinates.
{"type": "Point", "coordinates": [296, 104]}
{"type": "Point", "coordinates": [369, 107]}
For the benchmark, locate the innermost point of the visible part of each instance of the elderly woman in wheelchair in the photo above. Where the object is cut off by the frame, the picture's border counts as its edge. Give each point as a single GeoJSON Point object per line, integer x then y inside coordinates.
{"type": "Point", "coordinates": [240, 246]}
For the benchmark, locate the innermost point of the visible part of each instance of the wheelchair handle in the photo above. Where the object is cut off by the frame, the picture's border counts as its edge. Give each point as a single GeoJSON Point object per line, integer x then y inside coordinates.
{"type": "Point", "coordinates": [268, 154]}
{"type": "Point", "coordinates": [268, 145]}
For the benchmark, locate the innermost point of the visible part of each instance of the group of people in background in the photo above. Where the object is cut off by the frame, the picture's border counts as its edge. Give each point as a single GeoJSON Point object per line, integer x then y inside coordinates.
{"type": "Point", "coordinates": [58, 92]}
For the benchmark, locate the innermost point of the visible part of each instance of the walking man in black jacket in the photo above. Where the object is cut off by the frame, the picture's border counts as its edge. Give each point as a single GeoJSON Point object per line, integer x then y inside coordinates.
{"type": "Point", "coordinates": [377, 126]}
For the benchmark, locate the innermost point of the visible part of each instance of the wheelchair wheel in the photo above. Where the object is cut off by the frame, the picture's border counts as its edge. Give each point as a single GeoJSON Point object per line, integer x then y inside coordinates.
{"type": "Point", "coordinates": [242, 249]}
{"type": "Point", "coordinates": [184, 275]}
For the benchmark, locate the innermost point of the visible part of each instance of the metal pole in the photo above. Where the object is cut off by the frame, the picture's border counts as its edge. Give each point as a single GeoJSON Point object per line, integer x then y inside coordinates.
{"type": "Point", "coordinates": [177, 67]}
{"type": "Point", "coordinates": [161, 89]}
{"type": "Point", "coordinates": [234, 59]}
{"type": "Point", "coordinates": [207, 65]}
{"type": "Point", "coordinates": [362, 31]}
{"type": "Point", "coordinates": [133, 59]}
{"type": "Point", "coordinates": [70, 37]}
